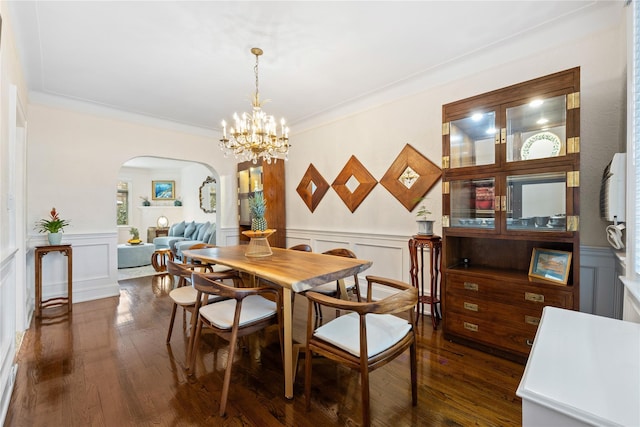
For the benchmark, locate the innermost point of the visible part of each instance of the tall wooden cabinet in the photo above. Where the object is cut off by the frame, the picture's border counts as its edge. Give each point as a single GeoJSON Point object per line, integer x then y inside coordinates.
{"type": "Point", "coordinates": [270, 179]}
{"type": "Point", "coordinates": [511, 161]}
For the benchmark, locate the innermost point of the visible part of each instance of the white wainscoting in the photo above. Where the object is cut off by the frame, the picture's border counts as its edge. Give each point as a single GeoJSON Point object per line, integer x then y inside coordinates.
{"type": "Point", "coordinates": [601, 292]}
{"type": "Point", "coordinates": [389, 253]}
{"type": "Point", "coordinates": [227, 236]}
{"type": "Point", "coordinates": [95, 267]}
{"type": "Point", "coordinates": [7, 330]}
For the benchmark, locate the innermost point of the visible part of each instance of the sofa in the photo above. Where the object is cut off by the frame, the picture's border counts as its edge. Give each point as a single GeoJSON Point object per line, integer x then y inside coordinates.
{"type": "Point", "coordinates": [184, 234]}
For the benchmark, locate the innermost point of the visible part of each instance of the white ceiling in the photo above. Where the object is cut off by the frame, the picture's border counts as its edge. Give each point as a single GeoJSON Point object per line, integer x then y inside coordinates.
{"type": "Point", "coordinates": [189, 62]}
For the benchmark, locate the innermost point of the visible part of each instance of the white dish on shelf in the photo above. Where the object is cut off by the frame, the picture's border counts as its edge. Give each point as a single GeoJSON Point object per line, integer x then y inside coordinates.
{"type": "Point", "coordinates": [540, 146]}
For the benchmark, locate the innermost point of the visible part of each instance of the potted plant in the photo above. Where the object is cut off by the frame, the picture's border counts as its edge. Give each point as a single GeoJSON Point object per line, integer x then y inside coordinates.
{"type": "Point", "coordinates": [135, 236]}
{"type": "Point", "coordinates": [257, 207]}
{"type": "Point", "coordinates": [425, 225]}
{"type": "Point", "coordinates": [54, 226]}
{"type": "Point", "coordinates": [177, 202]}
{"type": "Point", "coordinates": [145, 201]}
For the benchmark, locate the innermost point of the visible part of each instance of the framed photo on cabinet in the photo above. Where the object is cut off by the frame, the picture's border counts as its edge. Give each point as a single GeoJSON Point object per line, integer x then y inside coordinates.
{"type": "Point", "coordinates": [549, 264]}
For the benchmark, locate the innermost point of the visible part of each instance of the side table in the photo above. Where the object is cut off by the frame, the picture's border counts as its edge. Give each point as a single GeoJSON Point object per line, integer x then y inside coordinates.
{"type": "Point", "coordinates": [434, 243]}
{"type": "Point", "coordinates": [41, 251]}
{"type": "Point", "coordinates": [159, 259]}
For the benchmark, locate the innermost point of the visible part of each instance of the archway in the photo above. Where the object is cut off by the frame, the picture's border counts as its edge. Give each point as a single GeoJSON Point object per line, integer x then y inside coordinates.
{"type": "Point", "coordinates": [186, 177]}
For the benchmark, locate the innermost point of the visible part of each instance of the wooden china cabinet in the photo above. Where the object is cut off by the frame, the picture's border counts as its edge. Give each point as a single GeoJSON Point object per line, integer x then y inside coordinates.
{"type": "Point", "coordinates": [270, 179]}
{"type": "Point", "coordinates": [511, 161]}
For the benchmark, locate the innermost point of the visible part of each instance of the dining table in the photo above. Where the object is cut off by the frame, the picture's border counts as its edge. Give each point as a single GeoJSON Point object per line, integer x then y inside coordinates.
{"type": "Point", "coordinates": [293, 271]}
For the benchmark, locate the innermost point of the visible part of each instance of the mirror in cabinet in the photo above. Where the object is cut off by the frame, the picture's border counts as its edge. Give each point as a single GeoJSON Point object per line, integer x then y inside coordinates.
{"type": "Point", "coordinates": [207, 194]}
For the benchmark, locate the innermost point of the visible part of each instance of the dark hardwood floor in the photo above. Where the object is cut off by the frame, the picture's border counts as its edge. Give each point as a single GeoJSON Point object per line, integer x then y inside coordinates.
{"type": "Point", "coordinates": [107, 364]}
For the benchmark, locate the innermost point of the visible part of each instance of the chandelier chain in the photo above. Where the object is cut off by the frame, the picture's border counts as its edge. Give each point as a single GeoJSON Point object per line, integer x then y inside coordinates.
{"type": "Point", "coordinates": [255, 70]}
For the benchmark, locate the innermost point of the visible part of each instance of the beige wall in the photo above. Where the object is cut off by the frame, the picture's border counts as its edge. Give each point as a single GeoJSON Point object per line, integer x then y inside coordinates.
{"type": "Point", "coordinates": [74, 160]}
{"type": "Point", "coordinates": [376, 137]}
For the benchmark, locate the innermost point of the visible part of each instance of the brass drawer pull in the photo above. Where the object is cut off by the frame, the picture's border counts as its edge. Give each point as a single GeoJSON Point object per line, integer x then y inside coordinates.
{"type": "Point", "coordinates": [470, 306]}
{"type": "Point", "coordinates": [471, 327]}
{"type": "Point", "coordinates": [530, 296]}
{"type": "Point", "coordinates": [532, 320]}
{"type": "Point", "coordinates": [470, 286]}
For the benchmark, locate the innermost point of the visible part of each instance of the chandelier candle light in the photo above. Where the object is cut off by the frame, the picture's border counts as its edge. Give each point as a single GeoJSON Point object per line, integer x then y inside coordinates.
{"type": "Point", "coordinates": [255, 135]}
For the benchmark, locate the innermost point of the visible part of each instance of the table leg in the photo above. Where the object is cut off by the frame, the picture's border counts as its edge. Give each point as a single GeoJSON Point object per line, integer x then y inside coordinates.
{"type": "Point", "coordinates": [433, 285]}
{"type": "Point", "coordinates": [69, 281]}
{"type": "Point", "coordinates": [38, 283]}
{"type": "Point", "coordinates": [288, 343]}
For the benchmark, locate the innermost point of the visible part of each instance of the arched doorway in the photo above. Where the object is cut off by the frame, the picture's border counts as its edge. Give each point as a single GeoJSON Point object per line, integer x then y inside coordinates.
{"type": "Point", "coordinates": [186, 177]}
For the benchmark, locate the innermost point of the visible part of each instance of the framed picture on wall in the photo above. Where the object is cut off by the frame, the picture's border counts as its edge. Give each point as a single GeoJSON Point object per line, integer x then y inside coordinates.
{"type": "Point", "coordinates": [163, 190]}
{"type": "Point", "coordinates": [550, 265]}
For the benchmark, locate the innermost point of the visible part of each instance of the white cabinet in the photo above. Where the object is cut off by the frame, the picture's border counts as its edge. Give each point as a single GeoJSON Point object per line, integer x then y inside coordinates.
{"type": "Point", "coordinates": [583, 370]}
{"type": "Point", "coordinates": [631, 303]}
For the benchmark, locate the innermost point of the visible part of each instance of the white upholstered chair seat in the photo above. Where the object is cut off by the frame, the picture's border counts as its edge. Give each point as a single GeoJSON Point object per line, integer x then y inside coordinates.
{"type": "Point", "coordinates": [254, 308]}
{"type": "Point", "coordinates": [186, 295]}
{"type": "Point", "coordinates": [383, 331]}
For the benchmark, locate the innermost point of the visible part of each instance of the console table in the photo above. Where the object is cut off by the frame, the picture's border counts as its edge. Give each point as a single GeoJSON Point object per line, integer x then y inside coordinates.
{"type": "Point", "coordinates": [153, 232]}
{"type": "Point", "coordinates": [417, 244]}
{"type": "Point", "coordinates": [41, 251]}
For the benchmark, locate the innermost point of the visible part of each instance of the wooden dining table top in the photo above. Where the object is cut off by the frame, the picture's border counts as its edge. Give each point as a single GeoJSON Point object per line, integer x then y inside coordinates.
{"type": "Point", "coordinates": [295, 270]}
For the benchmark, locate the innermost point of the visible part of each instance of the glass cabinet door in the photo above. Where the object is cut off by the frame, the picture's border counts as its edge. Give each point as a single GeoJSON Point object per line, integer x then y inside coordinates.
{"type": "Point", "coordinates": [472, 203]}
{"type": "Point", "coordinates": [472, 140]}
{"type": "Point", "coordinates": [537, 202]}
{"type": "Point", "coordinates": [537, 130]}
{"type": "Point", "coordinates": [249, 181]}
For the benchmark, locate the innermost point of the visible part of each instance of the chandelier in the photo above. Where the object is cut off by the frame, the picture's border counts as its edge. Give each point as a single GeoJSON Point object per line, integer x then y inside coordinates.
{"type": "Point", "coordinates": [255, 135]}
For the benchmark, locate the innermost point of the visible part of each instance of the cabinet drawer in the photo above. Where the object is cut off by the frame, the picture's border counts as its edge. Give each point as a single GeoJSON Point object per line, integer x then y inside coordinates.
{"type": "Point", "coordinates": [508, 291]}
{"type": "Point", "coordinates": [522, 318]}
{"type": "Point", "coordinates": [495, 334]}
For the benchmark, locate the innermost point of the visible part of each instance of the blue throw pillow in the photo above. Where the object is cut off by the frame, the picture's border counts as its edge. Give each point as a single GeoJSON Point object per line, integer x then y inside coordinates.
{"type": "Point", "coordinates": [189, 230]}
{"type": "Point", "coordinates": [202, 231]}
{"type": "Point", "coordinates": [212, 238]}
{"type": "Point", "coordinates": [210, 230]}
{"type": "Point", "coordinates": [177, 229]}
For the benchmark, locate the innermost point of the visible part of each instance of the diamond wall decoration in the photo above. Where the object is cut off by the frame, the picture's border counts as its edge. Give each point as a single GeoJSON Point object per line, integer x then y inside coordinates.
{"type": "Point", "coordinates": [410, 177]}
{"type": "Point", "coordinates": [353, 170]}
{"type": "Point", "coordinates": [312, 187]}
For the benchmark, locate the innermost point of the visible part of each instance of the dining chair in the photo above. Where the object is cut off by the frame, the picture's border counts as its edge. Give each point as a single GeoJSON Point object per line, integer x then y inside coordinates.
{"type": "Point", "coordinates": [235, 313]}
{"type": "Point", "coordinates": [366, 338]}
{"type": "Point", "coordinates": [339, 290]}
{"type": "Point", "coordinates": [185, 296]}
{"type": "Point", "coordinates": [303, 247]}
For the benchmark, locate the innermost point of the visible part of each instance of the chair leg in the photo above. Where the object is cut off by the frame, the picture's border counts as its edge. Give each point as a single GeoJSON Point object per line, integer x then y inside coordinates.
{"type": "Point", "coordinates": [366, 416]}
{"type": "Point", "coordinates": [194, 349]}
{"type": "Point", "coordinates": [173, 317]}
{"type": "Point", "coordinates": [414, 374]}
{"type": "Point", "coordinates": [192, 329]}
{"type": "Point", "coordinates": [307, 378]}
{"type": "Point", "coordinates": [227, 374]}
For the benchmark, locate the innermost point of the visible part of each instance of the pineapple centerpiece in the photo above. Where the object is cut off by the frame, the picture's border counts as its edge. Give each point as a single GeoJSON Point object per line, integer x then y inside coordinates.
{"type": "Point", "coordinates": [258, 206]}
{"type": "Point", "coordinates": [135, 236]}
